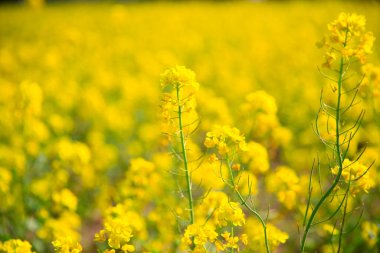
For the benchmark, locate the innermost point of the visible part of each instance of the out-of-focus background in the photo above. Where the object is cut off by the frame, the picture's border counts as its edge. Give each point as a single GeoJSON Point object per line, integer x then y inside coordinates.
{"type": "Point", "coordinates": [80, 94]}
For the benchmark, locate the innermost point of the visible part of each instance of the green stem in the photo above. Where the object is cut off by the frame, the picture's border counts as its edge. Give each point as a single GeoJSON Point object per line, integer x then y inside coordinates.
{"type": "Point", "coordinates": [338, 157]}
{"type": "Point", "coordinates": [184, 156]}
{"type": "Point", "coordinates": [244, 203]}
{"type": "Point", "coordinates": [232, 235]}
{"type": "Point", "coordinates": [344, 217]}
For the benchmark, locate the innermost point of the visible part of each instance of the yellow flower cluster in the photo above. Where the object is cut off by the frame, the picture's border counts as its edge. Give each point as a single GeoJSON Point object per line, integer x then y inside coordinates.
{"type": "Point", "coordinates": [370, 233]}
{"type": "Point", "coordinates": [200, 236]}
{"type": "Point", "coordinates": [204, 237]}
{"type": "Point", "coordinates": [227, 140]}
{"type": "Point", "coordinates": [255, 234]}
{"type": "Point", "coordinates": [259, 114]}
{"type": "Point", "coordinates": [120, 225]}
{"type": "Point", "coordinates": [358, 174]}
{"type": "Point", "coordinates": [215, 215]}
{"type": "Point", "coordinates": [229, 212]}
{"type": "Point", "coordinates": [286, 184]}
{"type": "Point", "coordinates": [263, 108]}
{"type": "Point", "coordinates": [141, 180]}
{"type": "Point", "coordinates": [67, 245]}
{"type": "Point", "coordinates": [179, 89]}
{"type": "Point", "coordinates": [256, 157]}
{"type": "Point", "coordinates": [180, 77]}
{"type": "Point", "coordinates": [66, 223]}
{"type": "Point", "coordinates": [216, 171]}
{"type": "Point", "coordinates": [15, 246]}
{"type": "Point", "coordinates": [74, 156]}
{"type": "Point", "coordinates": [205, 210]}
{"type": "Point", "coordinates": [65, 199]}
{"type": "Point", "coordinates": [260, 101]}
{"type": "Point", "coordinates": [347, 38]}
{"type": "Point", "coordinates": [118, 234]}
{"type": "Point", "coordinates": [143, 192]}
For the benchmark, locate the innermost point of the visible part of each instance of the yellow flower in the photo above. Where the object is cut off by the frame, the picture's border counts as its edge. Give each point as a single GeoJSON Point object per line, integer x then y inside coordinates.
{"type": "Point", "coordinates": [199, 234]}
{"type": "Point", "coordinates": [261, 101]}
{"type": "Point", "coordinates": [118, 232]}
{"type": "Point", "coordinates": [226, 139]}
{"type": "Point", "coordinates": [370, 233]}
{"type": "Point", "coordinates": [348, 38]}
{"type": "Point", "coordinates": [358, 174]}
{"type": "Point", "coordinates": [15, 246]}
{"type": "Point", "coordinates": [128, 248]}
{"type": "Point", "coordinates": [100, 236]}
{"type": "Point", "coordinates": [229, 212]}
{"type": "Point", "coordinates": [120, 224]}
{"type": "Point", "coordinates": [179, 76]}
{"type": "Point", "coordinates": [230, 241]}
{"type": "Point", "coordinates": [67, 245]}
{"type": "Point", "coordinates": [286, 184]}
{"type": "Point", "coordinates": [5, 180]}
{"type": "Point", "coordinates": [244, 239]}
{"type": "Point", "coordinates": [179, 88]}
{"type": "Point", "coordinates": [65, 198]}
{"type": "Point", "coordinates": [254, 231]}
{"type": "Point", "coordinates": [256, 157]}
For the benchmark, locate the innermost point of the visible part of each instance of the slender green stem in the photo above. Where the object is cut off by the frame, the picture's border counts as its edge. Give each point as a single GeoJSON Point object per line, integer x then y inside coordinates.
{"type": "Point", "coordinates": [338, 157]}
{"type": "Point", "coordinates": [344, 217]}
{"type": "Point", "coordinates": [309, 196]}
{"type": "Point", "coordinates": [232, 235]}
{"type": "Point", "coordinates": [244, 203]}
{"type": "Point", "coordinates": [184, 156]}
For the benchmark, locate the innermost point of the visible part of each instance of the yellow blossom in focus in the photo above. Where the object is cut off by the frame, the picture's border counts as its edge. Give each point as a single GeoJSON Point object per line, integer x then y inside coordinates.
{"type": "Point", "coordinates": [200, 235]}
{"type": "Point", "coordinates": [66, 245]}
{"type": "Point", "coordinates": [230, 241]}
{"type": "Point", "coordinates": [225, 139]}
{"type": "Point", "coordinates": [348, 38]}
{"type": "Point", "coordinates": [358, 174]}
{"type": "Point", "coordinates": [229, 212]}
{"type": "Point", "coordinates": [179, 76]}
{"type": "Point", "coordinates": [120, 224]}
{"type": "Point", "coordinates": [179, 88]}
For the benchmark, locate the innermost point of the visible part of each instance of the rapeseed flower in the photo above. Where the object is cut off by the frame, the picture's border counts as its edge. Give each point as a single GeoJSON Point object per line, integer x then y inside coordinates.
{"type": "Point", "coordinates": [66, 245]}
{"type": "Point", "coordinates": [15, 246]}
{"type": "Point", "coordinates": [358, 174]}
{"type": "Point", "coordinates": [347, 38]}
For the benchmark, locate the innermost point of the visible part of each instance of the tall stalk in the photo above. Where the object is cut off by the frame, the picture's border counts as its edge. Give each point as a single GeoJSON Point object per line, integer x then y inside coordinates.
{"type": "Point", "coordinates": [337, 153]}
{"type": "Point", "coordinates": [244, 203]}
{"type": "Point", "coordinates": [184, 157]}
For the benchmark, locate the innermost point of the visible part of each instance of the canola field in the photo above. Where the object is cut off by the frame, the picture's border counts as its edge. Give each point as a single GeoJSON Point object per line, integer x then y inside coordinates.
{"type": "Point", "coordinates": [190, 127]}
